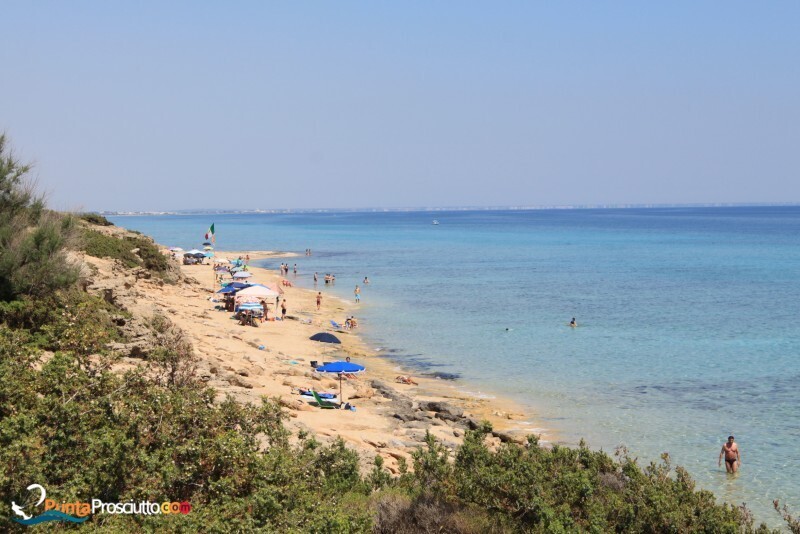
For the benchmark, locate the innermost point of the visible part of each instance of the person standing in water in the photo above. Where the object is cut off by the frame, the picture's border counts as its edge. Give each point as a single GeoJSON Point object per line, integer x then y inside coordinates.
{"type": "Point", "coordinates": [357, 292]}
{"type": "Point", "coordinates": [733, 459]}
{"type": "Point", "coordinates": [573, 323]}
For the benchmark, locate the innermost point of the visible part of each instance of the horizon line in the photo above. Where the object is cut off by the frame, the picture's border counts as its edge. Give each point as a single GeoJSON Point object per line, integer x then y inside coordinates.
{"type": "Point", "coordinates": [245, 211]}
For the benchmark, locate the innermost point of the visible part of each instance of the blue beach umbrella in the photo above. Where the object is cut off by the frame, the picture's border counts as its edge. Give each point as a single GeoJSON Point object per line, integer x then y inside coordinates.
{"type": "Point", "coordinates": [233, 287]}
{"type": "Point", "coordinates": [341, 368]}
{"type": "Point", "coordinates": [326, 337]}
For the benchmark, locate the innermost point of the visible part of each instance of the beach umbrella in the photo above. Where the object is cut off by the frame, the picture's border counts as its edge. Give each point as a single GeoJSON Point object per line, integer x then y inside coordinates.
{"type": "Point", "coordinates": [199, 255]}
{"type": "Point", "coordinates": [242, 274]}
{"type": "Point", "coordinates": [206, 244]}
{"type": "Point", "coordinates": [222, 260]}
{"type": "Point", "coordinates": [257, 290]}
{"type": "Point", "coordinates": [341, 368]}
{"type": "Point", "coordinates": [195, 251]}
{"type": "Point", "coordinates": [209, 254]}
{"type": "Point", "coordinates": [208, 248]}
{"type": "Point", "coordinates": [176, 249]}
{"type": "Point", "coordinates": [326, 337]}
{"type": "Point", "coordinates": [233, 287]}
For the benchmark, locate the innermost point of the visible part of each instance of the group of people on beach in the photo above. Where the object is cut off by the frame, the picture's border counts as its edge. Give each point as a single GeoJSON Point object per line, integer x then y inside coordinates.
{"type": "Point", "coordinates": [285, 269]}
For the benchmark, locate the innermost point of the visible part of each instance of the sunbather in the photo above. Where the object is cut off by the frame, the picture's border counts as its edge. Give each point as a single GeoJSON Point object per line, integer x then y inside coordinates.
{"type": "Point", "coordinates": [403, 379]}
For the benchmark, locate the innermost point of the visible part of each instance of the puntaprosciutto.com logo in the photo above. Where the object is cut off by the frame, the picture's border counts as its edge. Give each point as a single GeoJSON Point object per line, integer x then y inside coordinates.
{"type": "Point", "coordinates": [79, 511]}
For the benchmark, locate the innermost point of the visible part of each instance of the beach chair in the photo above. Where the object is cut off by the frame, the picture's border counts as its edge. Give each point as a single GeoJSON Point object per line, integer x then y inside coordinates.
{"type": "Point", "coordinates": [337, 326]}
{"type": "Point", "coordinates": [322, 403]}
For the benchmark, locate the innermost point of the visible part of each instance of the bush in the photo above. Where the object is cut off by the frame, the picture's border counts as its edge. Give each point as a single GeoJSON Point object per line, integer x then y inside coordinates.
{"type": "Point", "coordinates": [101, 245]}
{"type": "Point", "coordinates": [95, 218]}
{"type": "Point", "coordinates": [146, 253]}
{"type": "Point", "coordinates": [32, 240]}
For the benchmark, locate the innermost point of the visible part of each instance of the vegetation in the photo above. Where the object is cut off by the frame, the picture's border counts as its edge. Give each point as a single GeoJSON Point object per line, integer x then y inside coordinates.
{"type": "Point", "coordinates": [138, 251]}
{"type": "Point", "coordinates": [96, 219]}
{"type": "Point", "coordinates": [33, 240]}
{"type": "Point", "coordinates": [68, 421]}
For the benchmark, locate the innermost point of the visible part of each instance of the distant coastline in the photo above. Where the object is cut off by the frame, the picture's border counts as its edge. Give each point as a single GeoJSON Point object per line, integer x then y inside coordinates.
{"type": "Point", "coordinates": [227, 211]}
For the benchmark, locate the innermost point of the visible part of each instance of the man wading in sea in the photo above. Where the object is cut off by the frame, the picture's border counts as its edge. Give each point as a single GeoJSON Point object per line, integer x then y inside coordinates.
{"type": "Point", "coordinates": [732, 457]}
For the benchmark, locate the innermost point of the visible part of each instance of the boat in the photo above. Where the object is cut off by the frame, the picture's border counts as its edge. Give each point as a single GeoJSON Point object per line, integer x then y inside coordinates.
{"type": "Point", "coordinates": [436, 221]}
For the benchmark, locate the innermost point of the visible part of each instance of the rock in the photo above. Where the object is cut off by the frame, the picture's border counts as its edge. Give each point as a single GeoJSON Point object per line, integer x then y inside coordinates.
{"type": "Point", "coordinates": [410, 415]}
{"type": "Point", "coordinates": [447, 417]}
{"type": "Point", "coordinates": [108, 295]}
{"type": "Point", "coordinates": [457, 433]}
{"type": "Point", "coordinates": [363, 392]}
{"type": "Point", "coordinates": [472, 424]}
{"type": "Point", "coordinates": [234, 380]}
{"type": "Point", "coordinates": [416, 435]}
{"type": "Point", "coordinates": [509, 437]}
{"type": "Point", "coordinates": [242, 372]}
{"type": "Point", "coordinates": [445, 408]}
{"type": "Point", "coordinates": [420, 425]}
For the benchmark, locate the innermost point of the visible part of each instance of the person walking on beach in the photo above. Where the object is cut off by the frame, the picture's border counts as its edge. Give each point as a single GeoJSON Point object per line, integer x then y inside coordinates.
{"type": "Point", "coordinates": [265, 309]}
{"type": "Point", "coordinates": [733, 459]}
{"type": "Point", "coordinates": [283, 309]}
{"type": "Point", "coordinates": [357, 292]}
{"type": "Point", "coordinates": [295, 269]}
{"type": "Point", "coordinates": [319, 299]}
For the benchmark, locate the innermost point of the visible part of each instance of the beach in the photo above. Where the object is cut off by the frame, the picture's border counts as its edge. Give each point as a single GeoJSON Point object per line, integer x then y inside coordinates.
{"type": "Point", "coordinates": [273, 360]}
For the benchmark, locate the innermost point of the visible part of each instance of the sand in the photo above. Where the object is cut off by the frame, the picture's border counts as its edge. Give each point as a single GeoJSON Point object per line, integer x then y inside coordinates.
{"type": "Point", "coordinates": [387, 419]}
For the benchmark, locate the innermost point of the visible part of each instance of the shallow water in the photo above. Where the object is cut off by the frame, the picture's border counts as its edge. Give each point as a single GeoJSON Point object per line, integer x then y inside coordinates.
{"type": "Point", "coordinates": [687, 318]}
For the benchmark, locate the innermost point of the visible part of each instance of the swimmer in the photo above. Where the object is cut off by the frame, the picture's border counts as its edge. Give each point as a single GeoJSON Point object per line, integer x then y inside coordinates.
{"type": "Point", "coordinates": [573, 323]}
{"type": "Point", "coordinates": [733, 458]}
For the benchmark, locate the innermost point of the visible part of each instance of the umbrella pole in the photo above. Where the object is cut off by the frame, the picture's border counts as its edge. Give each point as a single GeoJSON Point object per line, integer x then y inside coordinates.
{"type": "Point", "coordinates": [341, 391]}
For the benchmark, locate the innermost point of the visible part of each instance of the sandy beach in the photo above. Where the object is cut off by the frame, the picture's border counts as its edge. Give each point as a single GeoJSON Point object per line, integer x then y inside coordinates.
{"type": "Point", "coordinates": [274, 360]}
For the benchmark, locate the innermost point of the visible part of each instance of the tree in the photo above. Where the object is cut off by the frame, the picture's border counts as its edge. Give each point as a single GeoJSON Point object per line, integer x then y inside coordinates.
{"type": "Point", "coordinates": [33, 240]}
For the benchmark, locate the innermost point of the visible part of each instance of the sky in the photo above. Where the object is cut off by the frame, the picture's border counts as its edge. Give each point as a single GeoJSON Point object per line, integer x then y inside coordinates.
{"type": "Point", "coordinates": [149, 106]}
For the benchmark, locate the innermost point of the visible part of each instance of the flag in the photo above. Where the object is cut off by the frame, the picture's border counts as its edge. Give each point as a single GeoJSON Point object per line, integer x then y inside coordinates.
{"type": "Point", "coordinates": [210, 234]}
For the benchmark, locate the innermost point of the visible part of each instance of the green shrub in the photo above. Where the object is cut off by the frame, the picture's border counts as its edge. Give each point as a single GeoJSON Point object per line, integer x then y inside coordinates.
{"type": "Point", "coordinates": [95, 218]}
{"type": "Point", "coordinates": [146, 253]}
{"type": "Point", "coordinates": [32, 240]}
{"type": "Point", "coordinates": [101, 245]}
{"type": "Point", "coordinates": [151, 256]}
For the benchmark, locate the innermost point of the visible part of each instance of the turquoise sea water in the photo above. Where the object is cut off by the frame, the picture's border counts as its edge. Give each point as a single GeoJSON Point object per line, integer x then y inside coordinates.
{"type": "Point", "coordinates": [688, 318]}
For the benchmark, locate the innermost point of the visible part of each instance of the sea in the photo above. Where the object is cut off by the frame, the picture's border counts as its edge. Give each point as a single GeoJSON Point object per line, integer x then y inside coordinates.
{"type": "Point", "coordinates": [688, 319]}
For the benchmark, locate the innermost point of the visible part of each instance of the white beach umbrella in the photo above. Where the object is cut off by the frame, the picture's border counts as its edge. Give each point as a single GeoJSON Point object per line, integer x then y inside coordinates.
{"type": "Point", "coordinates": [257, 291]}
{"type": "Point", "coordinates": [242, 274]}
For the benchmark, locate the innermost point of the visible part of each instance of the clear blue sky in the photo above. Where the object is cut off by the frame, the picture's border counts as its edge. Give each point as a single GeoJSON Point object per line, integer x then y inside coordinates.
{"type": "Point", "coordinates": [175, 105]}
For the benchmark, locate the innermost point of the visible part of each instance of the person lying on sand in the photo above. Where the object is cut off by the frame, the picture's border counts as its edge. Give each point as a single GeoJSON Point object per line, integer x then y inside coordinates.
{"type": "Point", "coordinates": [403, 379]}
